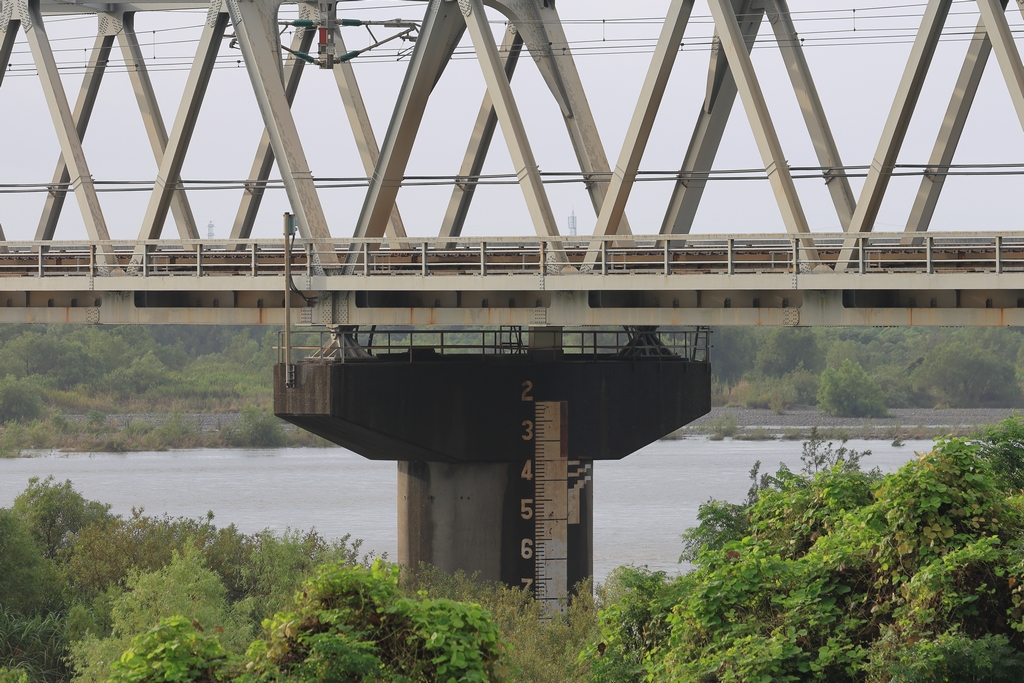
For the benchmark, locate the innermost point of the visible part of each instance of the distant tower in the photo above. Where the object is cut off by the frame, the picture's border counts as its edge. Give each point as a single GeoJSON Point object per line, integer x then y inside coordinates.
{"type": "Point", "coordinates": [209, 230]}
{"type": "Point", "coordinates": [572, 223]}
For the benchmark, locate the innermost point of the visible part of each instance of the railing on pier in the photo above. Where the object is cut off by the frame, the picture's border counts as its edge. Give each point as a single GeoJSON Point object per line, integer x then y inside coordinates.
{"type": "Point", "coordinates": [345, 343]}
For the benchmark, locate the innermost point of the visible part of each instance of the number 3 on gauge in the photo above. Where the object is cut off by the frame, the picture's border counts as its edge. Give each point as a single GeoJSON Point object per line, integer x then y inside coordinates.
{"type": "Point", "coordinates": [526, 549]}
{"type": "Point", "coordinates": [527, 430]}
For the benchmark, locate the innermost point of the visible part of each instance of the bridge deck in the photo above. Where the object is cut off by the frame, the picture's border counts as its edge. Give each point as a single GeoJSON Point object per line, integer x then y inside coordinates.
{"type": "Point", "coordinates": [938, 279]}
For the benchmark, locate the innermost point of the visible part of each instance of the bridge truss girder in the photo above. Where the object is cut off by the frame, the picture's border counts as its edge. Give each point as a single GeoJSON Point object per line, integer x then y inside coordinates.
{"type": "Point", "coordinates": [535, 25]}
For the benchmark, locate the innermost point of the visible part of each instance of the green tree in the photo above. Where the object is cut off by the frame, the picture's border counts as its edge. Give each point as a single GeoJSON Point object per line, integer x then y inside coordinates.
{"type": "Point", "coordinates": [20, 400]}
{"type": "Point", "coordinates": [54, 513]}
{"type": "Point", "coordinates": [785, 349]}
{"type": "Point", "coordinates": [848, 391]}
{"type": "Point", "coordinates": [27, 579]}
{"type": "Point", "coordinates": [962, 374]}
{"type": "Point", "coordinates": [185, 588]}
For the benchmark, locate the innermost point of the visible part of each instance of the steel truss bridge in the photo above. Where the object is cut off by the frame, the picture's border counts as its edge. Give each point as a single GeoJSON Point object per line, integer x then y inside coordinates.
{"type": "Point", "coordinates": [382, 276]}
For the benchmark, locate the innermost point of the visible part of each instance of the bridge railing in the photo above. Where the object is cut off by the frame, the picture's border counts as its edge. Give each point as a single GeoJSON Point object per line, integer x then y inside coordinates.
{"type": "Point", "coordinates": [550, 256]}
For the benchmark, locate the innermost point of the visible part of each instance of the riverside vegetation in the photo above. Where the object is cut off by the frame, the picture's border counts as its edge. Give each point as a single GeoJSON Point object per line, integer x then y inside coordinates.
{"type": "Point", "coordinates": [863, 372]}
{"type": "Point", "coordinates": [47, 373]}
{"type": "Point", "coordinates": [832, 573]}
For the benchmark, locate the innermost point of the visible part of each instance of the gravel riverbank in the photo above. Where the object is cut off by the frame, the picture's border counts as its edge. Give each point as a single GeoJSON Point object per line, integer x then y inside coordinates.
{"type": "Point", "coordinates": [902, 423]}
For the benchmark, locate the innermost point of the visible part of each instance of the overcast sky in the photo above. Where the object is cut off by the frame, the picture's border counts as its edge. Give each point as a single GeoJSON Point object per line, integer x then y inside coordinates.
{"type": "Point", "coordinates": [857, 51]}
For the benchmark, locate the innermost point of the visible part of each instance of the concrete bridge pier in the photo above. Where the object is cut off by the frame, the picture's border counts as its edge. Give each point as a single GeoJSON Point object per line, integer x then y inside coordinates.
{"type": "Point", "coordinates": [496, 449]}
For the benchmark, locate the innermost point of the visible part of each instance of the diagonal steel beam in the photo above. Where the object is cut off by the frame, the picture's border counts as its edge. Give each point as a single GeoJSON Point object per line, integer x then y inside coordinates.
{"type": "Point", "coordinates": [479, 145]}
{"type": "Point", "coordinates": [1006, 52]}
{"type": "Point", "coordinates": [952, 128]}
{"type": "Point", "coordinates": [710, 127]}
{"type": "Point", "coordinates": [542, 31]}
{"type": "Point", "coordinates": [362, 129]}
{"type": "Point", "coordinates": [639, 133]}
{"type": "Point", "coordinates": [97, 67]}
{"type": "Point", "coordinates": [896, 125]}
{"type": "Point", "coordinates": [8, 34]}
{"type": "Point", "coordinates": [149, 107]}
{"type": "Point", "coordinates": [813, 112]}
{"type": "Point", "coordinates": [256, 30]}
{"type": "Point", "coordinates": [509, 118]}
{"type": "Point", "coordinates": [263, 164]}
{"type": "Point", "coordinates": [779, 176]}
{"type": "Point", "coordinates": [63, 121]}
{"type": "Point", "coordinates": [168, 178]}
{"type": "Point", "coordinates": [442, 29]}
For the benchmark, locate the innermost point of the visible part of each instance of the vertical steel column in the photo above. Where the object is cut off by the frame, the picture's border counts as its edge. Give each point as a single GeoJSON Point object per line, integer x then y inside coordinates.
{"type": "Point", "coordinates": [97, 66]}
{"type": "Point", "coordinates": [63, 121]}
{"type": "Point", "coordinates": [169, 173]}
{"type": "Point", "coordinates": [264, 161]}
{"type": "Point", "coordinates": [479, 145]}
{"type": "Point", "coordinates": [508, 116]}
{"type": "Point", "coordinates": [442, 29]}
{"type": "Point", "coordinates": [767, 139]}
{"type": "Point", "coordinates": [255, 26]}
{"type": "Point", "coordinates": [639, 132]}
{"type": "Point", "coordinates": [152, 119]}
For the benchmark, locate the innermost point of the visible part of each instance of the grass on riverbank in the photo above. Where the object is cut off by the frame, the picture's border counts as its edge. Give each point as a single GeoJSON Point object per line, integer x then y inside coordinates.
{"type": "Point", "coordinates": [255, 428]}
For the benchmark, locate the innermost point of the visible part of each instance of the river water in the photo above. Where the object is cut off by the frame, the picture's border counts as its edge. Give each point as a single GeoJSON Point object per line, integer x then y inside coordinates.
{"type": "Point", "coordinates": [641, 504]}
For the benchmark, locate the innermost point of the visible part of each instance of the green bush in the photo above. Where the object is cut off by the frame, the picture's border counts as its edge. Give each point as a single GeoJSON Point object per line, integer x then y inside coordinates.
{"type": "Point", "coordinates": [848, 391]}
{"type": "Point", "coordinates": [842, 576]}
{"type": "Point", "coordinates": [175, 651]}
{"type": "Point", "coordinates": [13, 676]}
{"type": "Point", "coordinates": [1002, 445]}
{"type": "Point", "coordinates": [256, 429]}
{"type": "Point", "coordinates": [352, 624]}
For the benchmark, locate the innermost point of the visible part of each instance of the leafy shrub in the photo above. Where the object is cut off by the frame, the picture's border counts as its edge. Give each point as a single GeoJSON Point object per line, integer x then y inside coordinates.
{"type": "Point", "coordinates": [19, 400]}
{"type": "Point", "coordinates": [848, 391]}
{"type": "Point", "coordinates": [351, 623]}
{"type": "Point", "coordinates": [256, 429]}
{"type": "Point", "coordinates": [954, 657]}
{"type": "Point", "coordinates": [185, 588]}
{"type": "Point", "coordinates": [1002, 446]}
{"type": "Point", "coordinates": [635, 624]}
{"type": "Point", "coordinates": [844, 576]}
{"type": "Point", "coordinates": [13, 676]}
{"type": "Point", "coordinates": [175, 651]}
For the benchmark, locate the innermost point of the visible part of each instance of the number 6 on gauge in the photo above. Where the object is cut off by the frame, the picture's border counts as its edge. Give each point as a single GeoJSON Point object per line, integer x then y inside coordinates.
{"type": "Point", "coordinates": [526, 548]}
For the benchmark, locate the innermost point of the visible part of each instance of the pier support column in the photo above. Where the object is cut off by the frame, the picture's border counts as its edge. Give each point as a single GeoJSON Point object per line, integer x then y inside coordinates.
{"type": "Point", "coordinates": [499, 521]}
